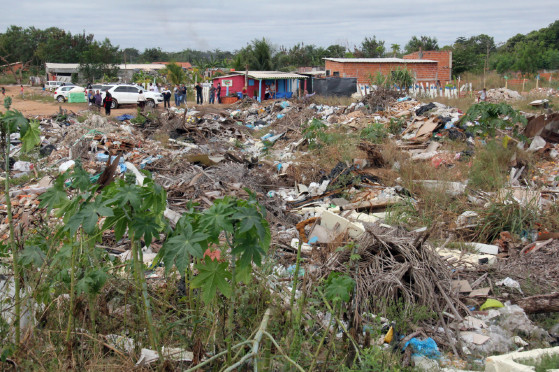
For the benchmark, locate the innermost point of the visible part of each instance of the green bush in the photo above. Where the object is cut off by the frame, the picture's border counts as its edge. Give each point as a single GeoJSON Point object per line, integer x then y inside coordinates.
{"type": "Point", "coordinates": [374, 132]}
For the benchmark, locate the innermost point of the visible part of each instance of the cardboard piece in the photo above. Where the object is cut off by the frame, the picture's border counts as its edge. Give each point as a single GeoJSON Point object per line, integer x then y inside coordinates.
{"type": "Point", "coordinates": [480, 292]}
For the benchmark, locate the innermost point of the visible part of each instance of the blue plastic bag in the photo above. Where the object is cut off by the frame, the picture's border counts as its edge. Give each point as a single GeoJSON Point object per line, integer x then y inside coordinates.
{"type": "Point", "coordinates": [427, 348]}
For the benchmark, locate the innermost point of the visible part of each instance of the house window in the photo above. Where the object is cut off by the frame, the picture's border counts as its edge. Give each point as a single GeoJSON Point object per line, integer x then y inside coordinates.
{"type": "Point", "coordinates": [327, 72]}
{"type": "Point", "coordinates": [336, 73]}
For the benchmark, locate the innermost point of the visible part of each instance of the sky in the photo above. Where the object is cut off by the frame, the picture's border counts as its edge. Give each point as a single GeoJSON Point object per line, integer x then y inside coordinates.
{"type": "Point", "coordinates": [230, 25]}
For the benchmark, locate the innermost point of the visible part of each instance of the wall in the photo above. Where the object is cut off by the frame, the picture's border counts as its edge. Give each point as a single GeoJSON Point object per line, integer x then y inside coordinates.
{"type": "Point", "coordinates": [424, 72]}
{"type": "Point", "coordinates": [444, 59]}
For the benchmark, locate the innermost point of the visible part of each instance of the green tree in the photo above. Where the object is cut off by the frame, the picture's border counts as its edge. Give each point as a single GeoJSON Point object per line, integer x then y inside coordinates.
{"type": "Point", "coordinates": [372, 48]}
{"type": "Point", "coordinates": [261, 56]}
{"type": "Point", "coordinates": [153, 55]}
{"type": "Point", "coordinates": [98, 61]}
{"type": "Point", "coordinates": [395, 49]}
{"type": "Point", "coordinates": [423, 42]}
{"type": "Point", "coordinates": [175, 74]}
{"type": "Point", "coordinates": [130, 55]}
{"type": "Point", "coordinates": [470, 54]}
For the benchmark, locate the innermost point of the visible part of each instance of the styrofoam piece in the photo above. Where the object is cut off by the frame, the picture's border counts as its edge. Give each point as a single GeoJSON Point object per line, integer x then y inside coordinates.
{"type": "Point", "coordinates": [507, 362]}
{"type": "Point", "coordinates": [484, 248]}
{"type": "Point", "coordinates": [467, 258]}
{"type": "Point", "coordinates": [340, 224]}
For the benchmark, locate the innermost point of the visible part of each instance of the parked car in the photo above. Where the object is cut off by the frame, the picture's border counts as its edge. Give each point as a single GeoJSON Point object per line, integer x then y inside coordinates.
{"type": "Point", "coordinates": [53, 84]}
{"type": "Point", "coordinates": [61, 93]}
{"type": "Point", "coordinates": [128, 94]}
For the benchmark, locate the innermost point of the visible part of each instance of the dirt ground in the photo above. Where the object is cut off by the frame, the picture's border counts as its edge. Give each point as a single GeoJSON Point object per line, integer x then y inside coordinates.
{"type": "Point", "coordinates": [41, 107]}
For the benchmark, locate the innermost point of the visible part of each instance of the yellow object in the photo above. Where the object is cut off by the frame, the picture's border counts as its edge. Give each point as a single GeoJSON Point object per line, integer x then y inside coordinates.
{"type": "Point", "coordinates": [389, 336]}
{"type": "Point", "coordinates": [491, 303]}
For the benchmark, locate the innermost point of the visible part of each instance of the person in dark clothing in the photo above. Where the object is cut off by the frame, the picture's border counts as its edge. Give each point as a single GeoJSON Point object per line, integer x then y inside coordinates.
{"type": "Point", "coordinates": [167, 98]}
{"type": "Point", "coordinates": [184, 94]}
{"type": "Point", "coordinates": [199, 99]}
{"type": "Point", "coordinates": [107, 103]}
{"type": "Point", "coordinates": [212, 94]}
{"type": "Point", "coordinates": [218, 93]}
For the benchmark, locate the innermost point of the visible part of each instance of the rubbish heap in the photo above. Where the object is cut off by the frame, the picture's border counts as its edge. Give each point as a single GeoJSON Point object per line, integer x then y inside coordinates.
{"type": "Point", "coordinates": [207, 153]}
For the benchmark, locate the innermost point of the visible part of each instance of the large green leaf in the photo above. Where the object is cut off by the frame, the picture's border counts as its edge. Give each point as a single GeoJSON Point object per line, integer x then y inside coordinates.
{"type": "Point", "coordinates": [32, 254]}
{"type": "Point", "coordinates": [92, 282]}
{"type": "Point", "coordinates": [88, 216]}
{"type": "Point", "coordinates": [212, 276]}
{"type": "Point", "coordinates": [339, 288]}
{"type": "Point", "coordinates": [16, 121]}
{"type": "Point", "coordinates": [144, 226]}
{"type": "Point", "coordinates": [178, 249]}
{"type": "Point", "coordinates": [217, 218]}
{"type": "Point", "coordinates": [129, 194]}
{"type": "Point", "coordinates": [55, 197]}
{"type": "Point", "coordinates": [249, 249]}
{"type": "Point", "coordinates": [32, 137]}
{"type": "Point", "coordinates": [250, 218]}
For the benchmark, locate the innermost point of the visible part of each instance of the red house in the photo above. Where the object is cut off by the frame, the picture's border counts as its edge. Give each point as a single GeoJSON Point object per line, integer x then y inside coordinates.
{"type": "Point", "coordinates": [282, 83]}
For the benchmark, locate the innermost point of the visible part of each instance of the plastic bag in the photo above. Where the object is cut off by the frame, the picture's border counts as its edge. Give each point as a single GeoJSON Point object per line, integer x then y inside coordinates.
{"type": "Point", "coordinates": [427, 347]}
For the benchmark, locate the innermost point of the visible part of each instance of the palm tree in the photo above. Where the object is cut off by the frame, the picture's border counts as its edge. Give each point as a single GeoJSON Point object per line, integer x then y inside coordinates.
{"type": "Point", "coordinates": [395, 49]}
{"type": "Point", "coordinates": [261, 56]}
{"type": "Point", "coordinates": [175, 73]}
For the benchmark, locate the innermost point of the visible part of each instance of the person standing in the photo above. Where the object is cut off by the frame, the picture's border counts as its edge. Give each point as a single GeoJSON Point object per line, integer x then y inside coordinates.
{"type": "Point", "coordinates": [21, 90]}
{"type": "Point", "coordinates": [3, 91]}
{"type": "Point", "coordinates": [212, 94]}
{"type": "Point", "coordinates": [98, 100]}
{"type": "Point", "coordinates": [176, 91]}
{"type": "Point", "coordinates": [218, 93]}
{"type": "Point", "coordinates": [166, 98]}
{"type": "Point", "coordinates": [184, 94]}
{"type": "Point", "coordinates": [141, 100]}
{"type": "Point", "coordinates": [244, 92]}
{"type": "Point", "coordinates": [107, 103]}
{"type": "Point", "coordinates": [199, 99]}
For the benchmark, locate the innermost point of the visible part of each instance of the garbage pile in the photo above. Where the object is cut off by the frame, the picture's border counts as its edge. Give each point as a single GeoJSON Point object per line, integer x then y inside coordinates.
{"type": "Point", "coordinates": [341, 218]}
{"type": "Point", "coordinates": [502, 95]}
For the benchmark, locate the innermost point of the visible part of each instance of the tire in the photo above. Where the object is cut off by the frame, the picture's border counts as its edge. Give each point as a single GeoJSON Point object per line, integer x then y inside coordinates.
{"type": "Point", "coordinates": [114, 104]}
{"type": "Point", "coordinates": [60, 99]}
{"type": "Point", "coordinates": [150, 103]}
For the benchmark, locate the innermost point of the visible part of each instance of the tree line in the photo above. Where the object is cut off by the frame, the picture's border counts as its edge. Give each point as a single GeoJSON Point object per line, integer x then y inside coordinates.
{"type": "Point", "coordinates": [528, 53]}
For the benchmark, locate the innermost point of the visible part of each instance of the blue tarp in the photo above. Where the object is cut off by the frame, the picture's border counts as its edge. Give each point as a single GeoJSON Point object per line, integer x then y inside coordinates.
{"type": "Point", "coordinates": [125, 117]}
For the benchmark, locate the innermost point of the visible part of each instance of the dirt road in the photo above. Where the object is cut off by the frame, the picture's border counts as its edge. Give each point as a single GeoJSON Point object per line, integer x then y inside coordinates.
{"type": "Point", "coordinates": [39, 103]}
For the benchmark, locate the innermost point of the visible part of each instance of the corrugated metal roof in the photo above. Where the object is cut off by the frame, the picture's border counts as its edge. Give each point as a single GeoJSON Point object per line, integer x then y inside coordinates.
{"type": "Point", "coordinates": [266, 75]}
{"type": "Point", "coordinates": [379, 60]}
{"type": "Point", "coordinates": [128, 66]}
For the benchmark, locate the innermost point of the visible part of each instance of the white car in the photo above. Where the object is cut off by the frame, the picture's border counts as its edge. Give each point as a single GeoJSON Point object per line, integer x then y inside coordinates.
{"type": "Point", "coordinates": [61, 93]}
{"type": "Point", "coordinates": [128, 94]}
{"type": "Point", "coordinates": [53, 84]}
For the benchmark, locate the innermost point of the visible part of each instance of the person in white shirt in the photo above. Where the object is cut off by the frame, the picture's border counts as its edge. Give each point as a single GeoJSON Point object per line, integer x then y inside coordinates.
{"type": "Point", "coordinates": [141, 100]}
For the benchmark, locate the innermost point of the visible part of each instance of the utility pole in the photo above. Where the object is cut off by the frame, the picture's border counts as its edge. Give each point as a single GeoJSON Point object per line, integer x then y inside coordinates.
{"type": "Point", "coordinates": [485, 65]}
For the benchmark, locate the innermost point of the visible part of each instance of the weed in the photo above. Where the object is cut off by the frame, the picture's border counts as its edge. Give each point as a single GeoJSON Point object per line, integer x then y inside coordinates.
{"type": "Point", "coordinates": [489, 171]}
{"type": "Point", "coordinates": [545, 363]}
{"type": "Point", "coordinates": [378, 359]}
{"type": "Point", "coordinates": [396, 125]}
{"type": "Point", "coordinates": [374, 132]}
{"type": "Point", "coordinates": [508, 215]}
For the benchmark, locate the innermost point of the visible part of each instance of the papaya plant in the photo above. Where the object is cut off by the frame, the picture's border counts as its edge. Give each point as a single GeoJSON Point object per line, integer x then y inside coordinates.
{"type": "Point", "coordinates": [238, 229]}
{"type": "Point", "coordinates": [123, 206]}
{"type": "Point", "coordinates": [13, 121]}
